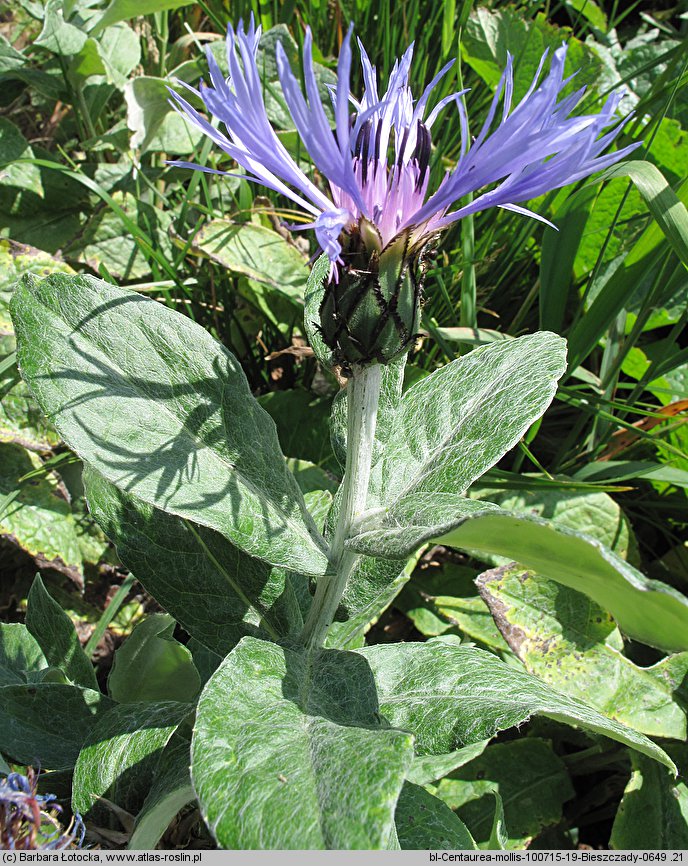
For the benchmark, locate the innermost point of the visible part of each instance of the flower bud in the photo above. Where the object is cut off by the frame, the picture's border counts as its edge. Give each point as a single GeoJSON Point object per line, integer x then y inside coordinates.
{"type": "Point", "coordinates": [370, 314]}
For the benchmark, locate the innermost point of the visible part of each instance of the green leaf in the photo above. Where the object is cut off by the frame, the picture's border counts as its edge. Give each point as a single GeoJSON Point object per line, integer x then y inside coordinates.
{"type": "Point", "coordinates": [594, 513]}
{"type": "Point", "coordinates": [39, 520]}
{"type": "Point", "coordinates": [105, 239]}
{"type": "Point", "coordinates": [152, 666]}
{"type": "Point", "coordinates": [653, 814]}
{"type": "Point", "coordinates": [233, 594]}
{"type": "Point", "coordinates": [310, 477]}
{"type": "Point", "coordinates": [10, 58]}
{"type": "Point", "coordinates": [472, 617]}
{"type": "Point", "coordinates": [122, 10]}
{"type": "Point", "coordinates": [14, 147]}
{"type": "Point", "coordinates": [315, 291]}
{"type": "Point", "coordinates": [428, 768]}
{"type": "Point", "coordinates": [530, 782]}
{"type": "Point", "coordinates": [451, 695]}
{"type": "Point", "coordinates": [170, 792]}
{"type": "Point", "coordinates": [559, 250]}
{"type": "Point", "coordinates": [499, 836]}
{"type": "Point", "coordinates": [257, 252]}
{"type": "Point", "coordinates": [452, 426]}
{"type": "Point", "coordinates": [665, 206]}
{"type": "Point", "coordinates": [413, 520]}
{"type": "Point", "coordinates": [572, 644]}
{"type": "Point", "coordinates": [120, 52]}
{"type": "Point", "coordinates": [122, 753]}
{"type": "Point", "coordinates": [58, 35]}
{"type": "Point", "coordinates": [21, 658]}
{"type": "Point", "coordinates": [15, 261]}
{"type": "Point", "coordinates": [47, 724]}
{"type": "Point", "coordinates": [646, 610]}
{"type": "Point", "coordinates": [423, 822]}
{"type": "Point", "coordinates": [283, 732]}
{"type": "Point", "coordinates": [490, 34]}
{"type": "Point", "coordinates": [591, 11]}
{"type": "Point", "coordinates": [163, 411]}
{"type": "Point", "coordinates": [55, 632]}
{"type": "Point", "coordinates": [149, 113]}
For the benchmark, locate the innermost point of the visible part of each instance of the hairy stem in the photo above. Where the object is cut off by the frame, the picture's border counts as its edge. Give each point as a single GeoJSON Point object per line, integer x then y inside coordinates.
{"type": "Point", "coordinates": [363, 394]}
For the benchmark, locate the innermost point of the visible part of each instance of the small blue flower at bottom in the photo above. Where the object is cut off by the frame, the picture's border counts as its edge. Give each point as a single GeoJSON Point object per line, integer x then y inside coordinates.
{"type": "Point", "coordinates": [376, 159]}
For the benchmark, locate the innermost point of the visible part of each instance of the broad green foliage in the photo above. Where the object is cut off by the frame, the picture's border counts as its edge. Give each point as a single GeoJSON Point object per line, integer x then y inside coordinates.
{"type": "Point", "coordinates": [21, 657]}
{"type": "Point", "coordinates": [532, 784]}
{"type": "Point", "coordinates": [189, 437]}
{"type": "Point", "coordinates": [170, 792]}
{"type": "Point", "coordinates": [152, 666]}
{"type": "Point", "coordinates": [248, 704]}
{"type": "Point", "coordinates": [595, 514]}
{"type": "Point", "coordinates": [490, 34]}
{"type": "Point", "coordinates": [122, 752]}
{"type": "Point", "coordinates": [645, 609]}
{"type": "Point", "coordinates": [281, 732]}
{"type": "Point", "coordinates": [47, 724]}
{"type": "Point", "coordinates": [654, 809]}
{"type": "Point", "coordinates": [572, 644]}
{"type": "Point", "coordinates": [428, 768]}
{"type": "Point", "coordinates": [451, 696]}
{"type": "Point", "coordinates": [232, 594]}
{"type": "Point", "coordinates": [423, 822]}
{"type": "Point", "coordinates": [276, 270]}
{"type": "Point", "coordinates": [449, 428]}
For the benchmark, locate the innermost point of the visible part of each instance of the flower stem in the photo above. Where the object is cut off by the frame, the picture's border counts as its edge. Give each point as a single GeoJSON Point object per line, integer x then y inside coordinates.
{"type": "Point", "coordinates": [363, 394]}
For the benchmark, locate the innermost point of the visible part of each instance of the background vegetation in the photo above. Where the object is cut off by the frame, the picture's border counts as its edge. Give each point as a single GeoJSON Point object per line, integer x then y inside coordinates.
{"type": "Point", "coordinates": [85, 132]}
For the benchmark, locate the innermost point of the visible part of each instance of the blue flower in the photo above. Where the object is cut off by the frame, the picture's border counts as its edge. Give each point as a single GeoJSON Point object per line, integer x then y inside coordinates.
{"type": "Point", "coordinates": [376, 158]}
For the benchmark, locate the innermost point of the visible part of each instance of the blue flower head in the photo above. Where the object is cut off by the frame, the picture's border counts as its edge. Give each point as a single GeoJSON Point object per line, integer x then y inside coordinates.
{"type": "Point", "coordinates": [376, 158]}
{"type": "Point", "coordinates": [376, 213]}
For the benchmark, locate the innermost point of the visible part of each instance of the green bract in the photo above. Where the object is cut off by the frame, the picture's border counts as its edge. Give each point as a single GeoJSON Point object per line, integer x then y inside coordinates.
{"type": "Point", "coordinates": [370, 312]}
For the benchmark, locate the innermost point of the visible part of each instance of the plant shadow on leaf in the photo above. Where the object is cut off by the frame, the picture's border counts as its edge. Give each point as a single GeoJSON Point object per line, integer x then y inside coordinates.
{"type": "Point", "coordinates": [301, 733]}
{"type": "Point", "coordinates": [120, 757]}
{"type": "Point", "coordinates": [186, 436]}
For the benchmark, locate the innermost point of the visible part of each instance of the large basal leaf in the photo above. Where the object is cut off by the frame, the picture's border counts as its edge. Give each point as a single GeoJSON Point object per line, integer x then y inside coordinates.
{"type": "Point", "coordinates": [152, 666]}
{"type": "Point", "coordinates": [231, 594]}
{"type": "Point", "coordinates": [532, 782]}
{"type": "Point", "coordinates": [122, 752]}
{"type": "Point", "coordinates": [572, 644]}
{"type": "Point", "coordinates": [163, 411]}
{"type": "Point", "coordinates": [423, 822]}
{"type": "Point", "coordinates": [653, 814]}
{"type": "Point", "coordinates": [55, 632]}
{"type": "Point", "coordinates": [288, 752]}
{"type": "Point", "coordinates": [450, 695]}
{"type": "Point", "coordinates": [646, 610]}
{"type": "Point", "coordinates": [46, 724]}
